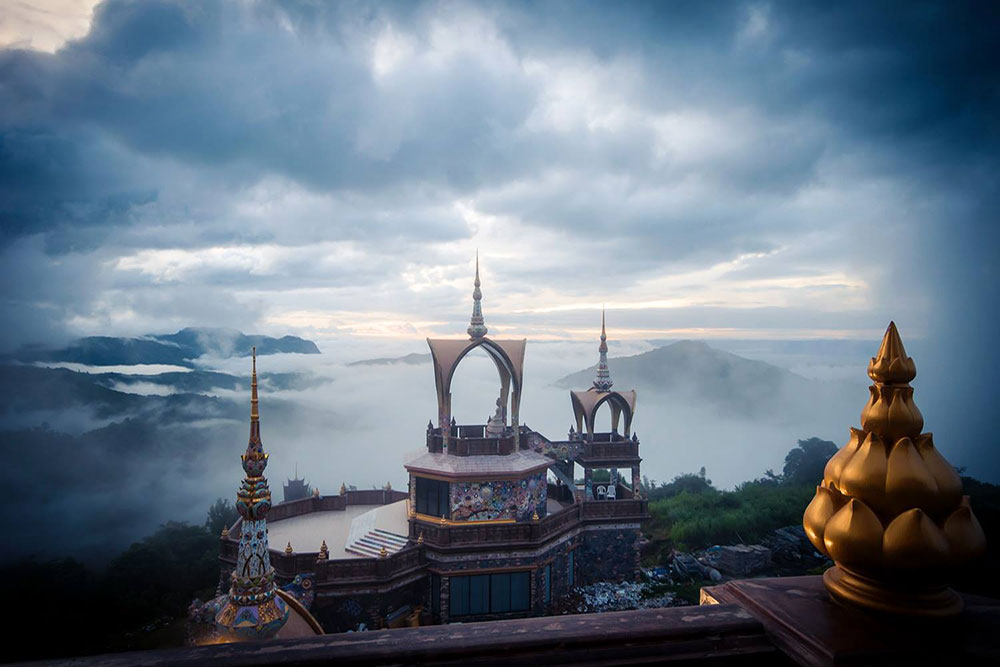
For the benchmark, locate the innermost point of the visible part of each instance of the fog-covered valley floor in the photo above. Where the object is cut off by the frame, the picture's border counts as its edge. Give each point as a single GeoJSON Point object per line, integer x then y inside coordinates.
{"type": "Point", "coordinates": [100, 456]}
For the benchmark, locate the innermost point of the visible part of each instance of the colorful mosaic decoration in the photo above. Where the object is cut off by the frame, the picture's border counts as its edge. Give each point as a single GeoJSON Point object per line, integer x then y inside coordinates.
{"type": "Point", "coordinates": [253, 610]}
{"type": "Point", "coordinates": [508, 499]}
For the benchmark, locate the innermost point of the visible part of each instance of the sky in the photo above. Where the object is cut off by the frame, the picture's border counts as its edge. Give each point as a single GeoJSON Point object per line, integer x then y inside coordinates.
{"type": "Point", "coordinates": [750, 170]}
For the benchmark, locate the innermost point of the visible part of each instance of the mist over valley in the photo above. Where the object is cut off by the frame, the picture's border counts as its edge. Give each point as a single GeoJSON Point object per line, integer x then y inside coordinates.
{"type": "Point", "coordinates": [106, 457]}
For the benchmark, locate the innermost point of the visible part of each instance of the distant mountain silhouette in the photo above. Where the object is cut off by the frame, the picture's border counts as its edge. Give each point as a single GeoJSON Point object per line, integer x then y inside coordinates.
{"type": "Point", "coordinates": [177, 349]}
{"type": "Point", "coordinates": [412, 359]}
{"type": "Point", "coordinates": [695, 371]}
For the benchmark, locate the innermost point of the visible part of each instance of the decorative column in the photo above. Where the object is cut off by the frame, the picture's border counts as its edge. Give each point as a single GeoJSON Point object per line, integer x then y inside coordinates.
{"type": "Point", "coordinates": [253, 610]}
{"type": "Point", "coordinates": [890, 510]}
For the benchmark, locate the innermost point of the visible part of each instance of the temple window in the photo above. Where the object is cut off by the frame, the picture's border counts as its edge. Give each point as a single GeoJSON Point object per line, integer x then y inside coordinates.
{"type": "Point", "coordinates": [490, 593]}
{"type": "Point", "coordinates": [432, 497]}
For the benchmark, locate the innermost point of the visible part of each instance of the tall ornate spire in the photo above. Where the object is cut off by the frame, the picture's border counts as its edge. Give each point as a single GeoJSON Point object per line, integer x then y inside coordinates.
{"type": "Point", "coordinates": [890, 510]}
{"type": "Point", "coordinates": [603, 380]}
{"type": "Point", "coordinates": [253, 610]}
{"type": "Point", "coordinates": [477, 329]}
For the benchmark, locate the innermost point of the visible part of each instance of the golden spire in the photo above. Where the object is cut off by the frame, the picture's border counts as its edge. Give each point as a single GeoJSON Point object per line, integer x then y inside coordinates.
{"type": "Point", "coordinates": [225, 531]}
{"type": "Point", "coordinates": [890, 510]}
{"type": "Point", "coordinates": [382, 552]}
{"type": "Point", "coordinates": [324, 552]}
{"type": "Point", "coordinates": [254, 415]}
{"type": "Point", "coordinates": [420, 538]}
{"type": "Point", "coordinates": [288, 549]}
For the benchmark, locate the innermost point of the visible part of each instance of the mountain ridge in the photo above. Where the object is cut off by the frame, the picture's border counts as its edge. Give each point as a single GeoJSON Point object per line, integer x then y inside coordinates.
{"type": "Point", "coordinates": [702, 372]}
{"type": "Point", "coordinates": [181, 348]}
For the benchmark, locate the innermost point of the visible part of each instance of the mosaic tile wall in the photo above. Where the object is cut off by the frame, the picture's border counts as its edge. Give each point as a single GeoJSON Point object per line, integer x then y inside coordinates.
{"type": "Point", "coordinates": [508, 499]}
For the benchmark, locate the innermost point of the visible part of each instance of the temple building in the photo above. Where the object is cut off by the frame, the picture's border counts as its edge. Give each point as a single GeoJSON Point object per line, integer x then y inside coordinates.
{"type": "Point", "coordinates": [295, 489]}
{"type": "Point", "coordinates": [493, 524]}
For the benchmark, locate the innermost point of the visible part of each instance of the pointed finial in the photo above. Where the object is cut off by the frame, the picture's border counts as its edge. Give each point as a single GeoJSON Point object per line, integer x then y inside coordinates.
{"type": "Point", "coordinates": [324, 552]}
{"type": "Point", "coordinates": [604, 333]}
{"type": "Point", "coordinates": [388, 486]}
{"type": "Point", "coordinates": [477, 327]}
{"type": "Point", "coordinates": [288, 549]}
{"type": "Point", "coordinates": [420, 538]}
{"type": "Point", "coordinates": [254, 415]}
{"type": "Point", "coordinates": [225, 531]}
{"type": "Point", "coordinates": [382, 553]}
{"type": "Point", "coordinates": [891, 365]}
{"type": "Point", "coordinates": [534, 515]}
{"type": "Point", "coordinates": [315, 492]}
{"type": "Point", "coordinates": [603, 382]}
{"type": "Point", "coordinates": [444, 520]}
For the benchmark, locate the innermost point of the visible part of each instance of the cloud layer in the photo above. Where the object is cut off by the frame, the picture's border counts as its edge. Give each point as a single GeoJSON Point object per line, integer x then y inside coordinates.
{"type": "Point", "coordinates": [778, 170]}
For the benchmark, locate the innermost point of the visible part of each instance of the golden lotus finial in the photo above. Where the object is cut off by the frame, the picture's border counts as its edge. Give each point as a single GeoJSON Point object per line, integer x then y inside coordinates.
{"type": "Point", "coordinates": [288, 549]}
{"type": "Point", "coordinates": [420, 538]}
{"type": "Point", "coordinates": [534, 515]}
{"type": "Point", "coordinates": [891, 365]}
{"type": "Point", "coordinates": [225, 531]}
{"type": "Point", "coordinates": [382, 553]}
{"type": "Point", "coordinates": [444, 520]}
{"type": "Point", "coordinates": [890, 510]}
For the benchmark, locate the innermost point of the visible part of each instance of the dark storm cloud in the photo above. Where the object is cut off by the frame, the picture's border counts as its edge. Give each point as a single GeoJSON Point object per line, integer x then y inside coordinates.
{"type": "Point", "coordinates": [669, 136]}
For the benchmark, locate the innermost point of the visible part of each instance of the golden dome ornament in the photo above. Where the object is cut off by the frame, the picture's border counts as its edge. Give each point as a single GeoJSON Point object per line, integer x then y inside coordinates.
{"type": "Point", "coordinates": [890, 511]}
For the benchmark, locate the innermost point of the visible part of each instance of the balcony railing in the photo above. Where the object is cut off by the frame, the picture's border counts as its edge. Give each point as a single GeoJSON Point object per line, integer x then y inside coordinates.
{"type": "Point", "coordinates": [471, 440]}
{"type": "Point", "coordinates": [622, 449]}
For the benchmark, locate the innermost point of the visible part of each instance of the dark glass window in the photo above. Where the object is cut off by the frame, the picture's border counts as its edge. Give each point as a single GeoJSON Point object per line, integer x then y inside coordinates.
{"type": "Point", "coordinates": [520, 591]}
{"type": "Point", "coordinates": [548, 583]}
{"type": "Point", "coordinates": [435, 594]}
{"type": "Point", "coordinates": [432, 497]}
{"type": "Point", "coordinates": [569, 568]}
{"type": "Point", "coordinates": [459, 596]}
{"type": "Point", "coordinates": [479, 594]}
{"type": "Point", "coordinates": [490, 593]}
{"type": "Point", "coordinates": [500, 593]}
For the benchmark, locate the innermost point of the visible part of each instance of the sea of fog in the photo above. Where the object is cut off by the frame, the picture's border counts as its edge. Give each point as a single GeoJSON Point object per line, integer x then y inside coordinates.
{"type": "Point", "coordinates": [364, 421]}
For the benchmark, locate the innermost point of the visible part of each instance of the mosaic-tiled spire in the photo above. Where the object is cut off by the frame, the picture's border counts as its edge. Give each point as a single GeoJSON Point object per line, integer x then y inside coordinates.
{"type": "Point", "coordinates": [253, 610]}
{"type": "Point", "coordinates": [603, 380]}
{"type": "Point", "coordinates": [477, 328]}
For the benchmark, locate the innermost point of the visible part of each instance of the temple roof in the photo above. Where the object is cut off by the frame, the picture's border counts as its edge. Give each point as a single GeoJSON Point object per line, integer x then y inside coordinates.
{"type": "Point", "coordinates": [447, 352]}
{"type": "Point", "coordinates": [479, 467]}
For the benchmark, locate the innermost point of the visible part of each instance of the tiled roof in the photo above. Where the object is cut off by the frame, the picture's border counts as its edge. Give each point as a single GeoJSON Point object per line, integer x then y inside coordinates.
{"type": "Point", "coordinates": [523, 461]}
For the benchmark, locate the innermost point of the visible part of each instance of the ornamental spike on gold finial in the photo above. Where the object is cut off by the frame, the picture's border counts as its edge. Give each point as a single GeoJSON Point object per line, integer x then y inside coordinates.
{"type": "Point", "coordinates": [891, 365]}
{"type": "Point", "coordinates": [890, 510]}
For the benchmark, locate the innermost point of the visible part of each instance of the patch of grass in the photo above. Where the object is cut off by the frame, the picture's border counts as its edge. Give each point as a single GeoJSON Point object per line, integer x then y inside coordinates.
{"type": "Point", "coordinates": [691, 521]}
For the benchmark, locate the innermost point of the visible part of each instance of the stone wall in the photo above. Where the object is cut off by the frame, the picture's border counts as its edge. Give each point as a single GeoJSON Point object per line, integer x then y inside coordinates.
{"type": "Point", "coordinates": [556, 555]}
{"type": "Point", "coordinates": [608, 555]}
{"type": "Point", "coordinates": [340, 613]}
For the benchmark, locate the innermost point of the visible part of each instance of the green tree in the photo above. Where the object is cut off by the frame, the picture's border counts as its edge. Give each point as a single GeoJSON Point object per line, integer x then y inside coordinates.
{"type": "Point", "coordinates": [161, 574]}
{"type": "Point", "coordinates": [804, 464]}
{"type": "Point", "coordinates": [685, 483]}
{"type": "Point", "coordinates": [220, 515]}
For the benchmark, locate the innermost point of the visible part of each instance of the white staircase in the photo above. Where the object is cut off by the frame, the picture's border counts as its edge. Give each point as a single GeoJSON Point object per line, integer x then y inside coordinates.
{"type": "Point", "coordinates": [372, 543]}
{"type": "Point", "coordinates": [366, 539]}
